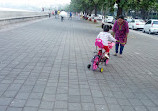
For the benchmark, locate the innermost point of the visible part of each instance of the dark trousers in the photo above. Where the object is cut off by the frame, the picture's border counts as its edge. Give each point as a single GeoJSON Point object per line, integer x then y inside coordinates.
{"type": "Point", "coordinates": [62, 18]}
{"type": "Point", "coordinates": [117, 47]}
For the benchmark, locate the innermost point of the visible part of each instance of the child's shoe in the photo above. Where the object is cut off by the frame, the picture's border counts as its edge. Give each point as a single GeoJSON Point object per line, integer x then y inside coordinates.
{"type": "Point", "coordinates": [115, 54]}
{"type": "Point", "coordinates": [106, 56]}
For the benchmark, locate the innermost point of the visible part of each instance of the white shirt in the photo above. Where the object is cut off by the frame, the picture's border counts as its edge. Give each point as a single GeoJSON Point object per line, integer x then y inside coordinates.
{"type": "Point", "coordinates": [105, 37]}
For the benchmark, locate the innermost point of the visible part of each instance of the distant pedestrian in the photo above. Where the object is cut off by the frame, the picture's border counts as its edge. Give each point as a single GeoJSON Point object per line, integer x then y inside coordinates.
{"type": "Point", "coordinates": [70, 17]}
{"type": "Point", "coordinates": [62, 18]}
{"type": "Point", "coordinates": [56, 12]}
{"type": "Point", "coordinates": [120, 31]}
{"type": "Point", "coordinates": [52, 12]}
{"type": "Point", "coordinates": [49, 13]}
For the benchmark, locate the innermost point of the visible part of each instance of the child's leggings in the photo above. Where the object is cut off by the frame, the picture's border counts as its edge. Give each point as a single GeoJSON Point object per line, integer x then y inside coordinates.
{"type": "Point", "coordinates": [106, 48]}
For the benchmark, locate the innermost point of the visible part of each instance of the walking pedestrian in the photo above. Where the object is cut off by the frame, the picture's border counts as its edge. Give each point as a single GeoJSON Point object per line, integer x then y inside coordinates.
{"type": "Point", "coordinates": [62, 18]}
{"type": "Point", "coordinates": [120, 32]}
{"type": "Point", "coordinates": [49, 13]}
{"type": "Point", "coordinates": [56, 12]}
{"type": "Point", "coordinates": [70, 17]}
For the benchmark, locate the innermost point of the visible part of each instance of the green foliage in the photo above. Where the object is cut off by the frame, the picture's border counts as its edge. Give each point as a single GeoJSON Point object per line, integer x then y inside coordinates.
{"type": "Point", "coordinates": [136, 5]}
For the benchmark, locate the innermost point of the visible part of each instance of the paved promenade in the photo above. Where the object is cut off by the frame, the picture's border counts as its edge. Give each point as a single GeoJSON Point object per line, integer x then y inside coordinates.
{"type": "Point", "coordinates": [43, 67]}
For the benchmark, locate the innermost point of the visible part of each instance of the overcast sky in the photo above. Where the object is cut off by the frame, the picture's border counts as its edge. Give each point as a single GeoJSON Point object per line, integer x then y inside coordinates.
{"type": "Point", "coordinates": [36, 3]}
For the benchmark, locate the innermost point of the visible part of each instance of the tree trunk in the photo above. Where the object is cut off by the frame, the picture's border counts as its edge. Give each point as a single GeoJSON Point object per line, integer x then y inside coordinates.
{"type": "Point", "coordinates": [95, 8]}
{"type": "Point", "coordinates": [119, 11]}
{"type": "Point", "coordinates": [143, 13]}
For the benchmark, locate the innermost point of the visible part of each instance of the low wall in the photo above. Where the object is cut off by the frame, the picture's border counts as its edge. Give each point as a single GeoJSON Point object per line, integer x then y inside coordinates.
{"type": "Point", "coordinates": [10, 17]}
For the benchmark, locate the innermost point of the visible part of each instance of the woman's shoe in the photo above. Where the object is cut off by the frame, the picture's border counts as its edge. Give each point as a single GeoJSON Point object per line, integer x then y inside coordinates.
{"type": "Point", "coordinates": [120, 56]}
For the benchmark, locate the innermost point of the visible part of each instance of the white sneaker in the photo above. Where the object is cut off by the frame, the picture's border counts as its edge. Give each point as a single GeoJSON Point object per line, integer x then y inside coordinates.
{"type": "Point", "coordinates": [106, 56]}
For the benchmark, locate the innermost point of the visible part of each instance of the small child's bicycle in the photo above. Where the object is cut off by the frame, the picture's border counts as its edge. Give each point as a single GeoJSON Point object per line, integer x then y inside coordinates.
{"type": "Point", "coordinates": [100, 58]}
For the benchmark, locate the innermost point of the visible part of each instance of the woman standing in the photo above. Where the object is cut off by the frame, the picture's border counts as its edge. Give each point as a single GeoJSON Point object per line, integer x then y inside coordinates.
{"type": "Point", "coordinates": [120, 31]}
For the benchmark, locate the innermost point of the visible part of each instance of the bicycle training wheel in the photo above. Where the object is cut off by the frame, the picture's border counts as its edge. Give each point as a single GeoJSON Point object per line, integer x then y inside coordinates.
{"type": "Point", "coordinates": [88, 66]}
{"type": "Point", "coordinates": [101, 69]}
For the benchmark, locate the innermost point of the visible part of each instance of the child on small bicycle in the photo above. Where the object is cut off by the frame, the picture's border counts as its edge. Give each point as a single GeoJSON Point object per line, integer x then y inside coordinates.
{"type": "Point", "coordinates": [105, 36]}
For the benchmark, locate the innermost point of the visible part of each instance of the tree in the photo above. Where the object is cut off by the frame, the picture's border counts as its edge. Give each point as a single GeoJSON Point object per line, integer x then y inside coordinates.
{"type": "Point", "coordinates": [123, 6]}
{"type": "Point", "coordinates": [144, 6]}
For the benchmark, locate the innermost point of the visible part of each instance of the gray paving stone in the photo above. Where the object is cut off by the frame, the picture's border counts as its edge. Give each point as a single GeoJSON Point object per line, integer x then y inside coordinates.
{"type": "Point", "coordinates": [73, 85]}
{"type": "Point", "coordinates": [3, 87]}
{"type": "Point", "coordinates": [99, 101]}
{"type": "Point", "coordinates": [14, 87]}
{"type": "Point", "coordinates": [135, 102]}
{"type": "Point", "coordinates": [124, 102]}
{"type": "Point", "coordinates": [111, 100]}
{"type": "Point", "coordinates": [39, 89]}
{"type": "Point", "coordinates": [84, 86]}
{"type": "Point", "coordinates": [10, 94]}
{"type": "Point", "coordinates": [26, 88]}
{"type": "Point", "coordinates": [30, 109]}
{"type": "Point", "coordinates": [47, 105]}
{"type": "Point", "coordinates": [22, 96]}
{"type": "Point", "coordinates": [108, 94]}
{"type": "Point", "coordinates": [61, 110]}
{"type": "Point", "coordinates": [74, 107]}
{"type": "Point", "coordinates": [18, 103]}
{"type": "Point", "coordinates": [61, 97]}
{"type": "Point", "coordinates": [96, 93]}
{"type": "Point", "coordinates": [102, 108]}
{"type": "Point", "coordinates": [88, 106]}
{"type": "Point", "coordinates": [19, 81]}
{"type": "Point", "coordinates": [85, 92]}
{"type": "Point", "coordinates": [74, 99]}
{"type": "Point", "coordinates": [148, 102]}
{"type": "Point", "coordinates": [74, 92]}
{"type": "Point", "coordinates": [32, 103]}
{"type": "Point", "coordinates": [50, 90]}
{"type": "Point", "coordinates": [7, 81]}
{"type": "Point", "coordinates": [44, 110]}
{"type": "Point", "coordinates": [114, 107]}
{"type": "Point", "coordinates": [14, 109]}
{"type": "Point", "coordinates": [36, 95]}
{"type": "Point", "coordinates": [127, 108]}
{"type": "Point", "coordinates": [48, 97]}
{"type": "Point", "coordinates": [140, 108]}
{"type": "Point", "coordinates": [152, 108]}
{"type": "Point", "coordinates": [119, 95]}
{"type": "Point", "coordinates": [5, 101]}
{"type": "Point", "coordinates": [86, 99]}
{"type": "Point", "coordinates": [130, 95]}
{"type": "Point", "coordinates": [61, 104]}
{"type": "Point", "coordinates": [3, 108]}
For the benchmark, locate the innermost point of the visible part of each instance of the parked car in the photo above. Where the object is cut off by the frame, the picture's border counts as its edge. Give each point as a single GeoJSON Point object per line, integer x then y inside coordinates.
{"type": "Point", "coordinates": [151, 26]}
{"type": "Point", "coordinates": [136, 24]}
{"type": "Point", "coordinates": [92, 16]}
{"type": "Point", "coordinates": [128, 19]}
{"type": "Point", "coordinates": [98, 17]}
{"type": "Point", "coordinates": [109, 19]}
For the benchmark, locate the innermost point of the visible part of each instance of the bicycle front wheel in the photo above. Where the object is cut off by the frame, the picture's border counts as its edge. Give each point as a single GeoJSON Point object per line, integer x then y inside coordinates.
{"type": "Point", "coordinates": [95, 62]}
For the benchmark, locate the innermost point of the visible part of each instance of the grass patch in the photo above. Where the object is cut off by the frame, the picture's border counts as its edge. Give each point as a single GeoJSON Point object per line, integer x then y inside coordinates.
{"type": "Point", "coordinates": [98, 26]}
